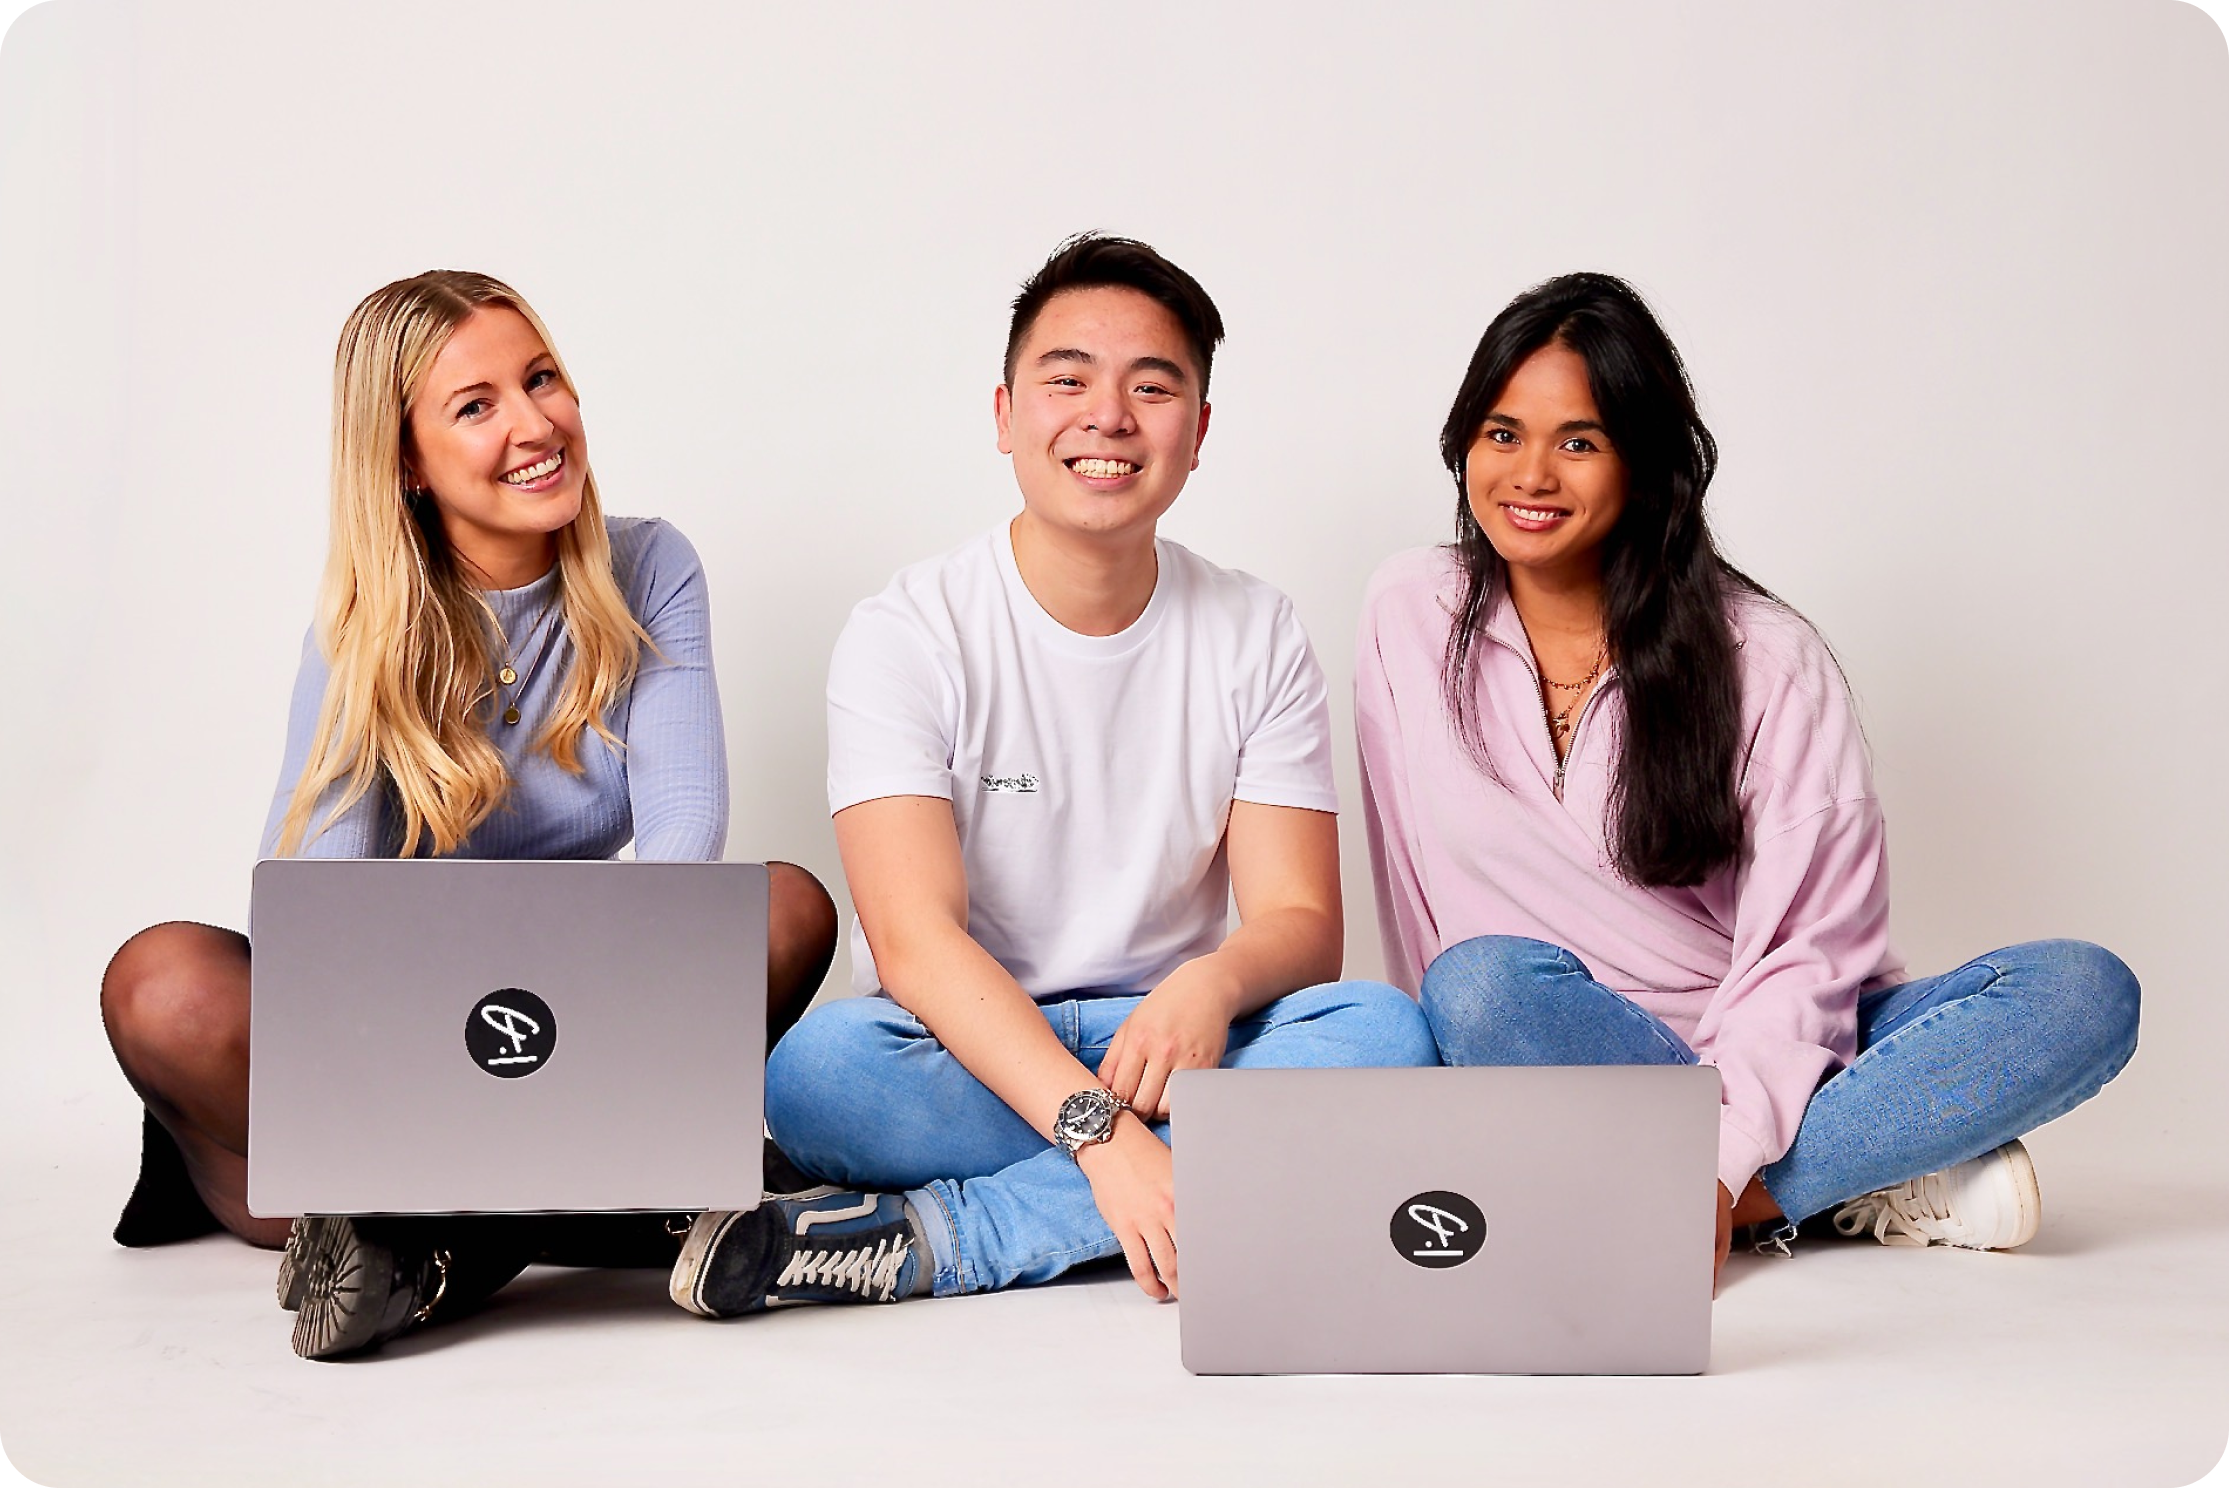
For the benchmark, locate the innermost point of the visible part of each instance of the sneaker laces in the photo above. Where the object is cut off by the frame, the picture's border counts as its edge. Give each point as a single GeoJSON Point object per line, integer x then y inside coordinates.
{"type": "Point", "coordinates": [1774, 1241]}
{"type": "Point", "coordinates": [1909, 1213]}
{"type": "Point", "coordinates": [870, 1272]}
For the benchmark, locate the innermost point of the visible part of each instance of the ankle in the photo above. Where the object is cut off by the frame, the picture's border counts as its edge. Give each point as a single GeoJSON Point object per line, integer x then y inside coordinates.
{"type": "Point", "coordinates": [1756, 1206]}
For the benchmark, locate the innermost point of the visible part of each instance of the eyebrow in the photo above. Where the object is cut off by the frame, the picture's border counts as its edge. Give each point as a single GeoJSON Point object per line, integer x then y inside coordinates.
{"type": "Point", "coordinates": [1571, 426]}
{"type": "Point", "coordinates": [1169, 370]}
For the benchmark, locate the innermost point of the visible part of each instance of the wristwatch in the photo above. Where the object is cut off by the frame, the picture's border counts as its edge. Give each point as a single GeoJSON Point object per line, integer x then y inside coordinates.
{"type": "Point", "coordinates": [1086, 1117]}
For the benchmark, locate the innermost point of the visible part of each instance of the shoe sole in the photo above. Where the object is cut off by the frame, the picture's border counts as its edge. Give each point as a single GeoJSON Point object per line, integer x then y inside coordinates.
{"type": "Point", "coordinates": [2015, 1154]}
{"type": "Point", "coordinates": [346, 1285]}
{"type": "Point", "coordinates": [687, 1284]}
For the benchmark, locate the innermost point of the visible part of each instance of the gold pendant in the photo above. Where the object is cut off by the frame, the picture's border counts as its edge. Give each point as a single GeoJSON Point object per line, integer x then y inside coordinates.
{"type": "Point", "coordinates": [511, 714]}
{"type": "Point", "coordinates": [507, 676]}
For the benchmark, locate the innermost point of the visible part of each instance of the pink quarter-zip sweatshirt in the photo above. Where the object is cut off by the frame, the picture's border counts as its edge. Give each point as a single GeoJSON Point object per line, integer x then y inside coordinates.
{"type": "Point", "coordinates": [1758, 968]}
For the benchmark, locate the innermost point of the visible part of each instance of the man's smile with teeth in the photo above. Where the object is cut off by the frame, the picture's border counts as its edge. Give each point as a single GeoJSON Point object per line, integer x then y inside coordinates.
{"type": "Point", "coordinates": [527, 475]}
{"type": "Point", "coordinates": [1097, 469]}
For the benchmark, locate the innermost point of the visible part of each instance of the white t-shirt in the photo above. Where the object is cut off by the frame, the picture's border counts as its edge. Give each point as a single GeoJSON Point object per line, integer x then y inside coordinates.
{"type": "Point", "coordinates": [1091, 777]}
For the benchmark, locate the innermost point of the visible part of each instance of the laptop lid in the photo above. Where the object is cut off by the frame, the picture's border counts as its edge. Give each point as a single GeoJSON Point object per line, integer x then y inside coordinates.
{"type": "Point", "coordinates": [443, 1036]}
{"type": "Point", "coordinates": [1494, 1221]}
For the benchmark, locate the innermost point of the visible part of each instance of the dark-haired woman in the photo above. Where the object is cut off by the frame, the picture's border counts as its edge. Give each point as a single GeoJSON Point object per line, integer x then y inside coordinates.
{"type": "Point", "coordinates": [1620, 812]}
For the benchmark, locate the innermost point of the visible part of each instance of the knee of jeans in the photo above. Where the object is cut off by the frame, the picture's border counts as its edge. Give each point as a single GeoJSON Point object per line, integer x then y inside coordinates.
{"type": "Point", "coordinates": [2116, 1002]}
{"type": "Point", "coordinates": [2090, 997]}
{"type": "Point", "coordinates": [1389, 1028]}
{"type": "Point", "coordinates": [1498, 961]}
{"type": "Point", "coordinates": [822, 1059]}
{"type": "Point", "coordinates": [1479, 987]}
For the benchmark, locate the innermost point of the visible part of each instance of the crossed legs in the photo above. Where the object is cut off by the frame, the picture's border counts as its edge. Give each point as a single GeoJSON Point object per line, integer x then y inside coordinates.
{"type": "Point", "coordinates": [1948, 1067]}
{"type": "Point", "coordinates": [863, 1094]}
{"type": "Point", "coordinates": [175, 1003]}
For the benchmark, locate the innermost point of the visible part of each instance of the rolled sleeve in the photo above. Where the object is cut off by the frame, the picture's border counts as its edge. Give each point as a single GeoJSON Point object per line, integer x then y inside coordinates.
{"type": "Point", "coordinates": [891, 712]}
{"type": "Point", "coordinates": [1284, 758]}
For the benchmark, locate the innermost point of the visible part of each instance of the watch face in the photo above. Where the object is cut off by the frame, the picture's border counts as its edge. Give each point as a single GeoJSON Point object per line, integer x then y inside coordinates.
{"type": "Point", "coordinates": [1086, 1116]}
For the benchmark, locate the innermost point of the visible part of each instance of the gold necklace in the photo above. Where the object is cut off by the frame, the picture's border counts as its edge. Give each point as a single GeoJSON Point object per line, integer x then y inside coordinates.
{"type": "Point", "coordinates": [508, 674]}
{"type": "Point", "coordinates": [1559, 724]}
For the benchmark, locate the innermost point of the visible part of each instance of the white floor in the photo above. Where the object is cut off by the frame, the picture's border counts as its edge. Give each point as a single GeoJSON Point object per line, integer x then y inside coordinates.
{"type": "Point", "coordinates": [2098, 1355]}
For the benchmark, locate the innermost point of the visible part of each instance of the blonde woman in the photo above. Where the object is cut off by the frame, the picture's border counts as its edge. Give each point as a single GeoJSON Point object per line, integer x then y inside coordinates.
{"type": "Point", "coordinates": [497, 670]}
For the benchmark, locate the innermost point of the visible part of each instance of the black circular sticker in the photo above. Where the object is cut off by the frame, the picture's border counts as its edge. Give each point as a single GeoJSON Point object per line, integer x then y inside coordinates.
{"type": "Point", "coordinates": [510, 1032]}
{"type": "Point", "coordinates": [1438, 1229]}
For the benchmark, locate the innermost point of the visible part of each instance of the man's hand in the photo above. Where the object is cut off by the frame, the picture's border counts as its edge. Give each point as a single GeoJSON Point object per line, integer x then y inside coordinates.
{"type": "Point", "coordinates": [1182, 1024]}
{"type": "Point", "coordinates": [1134, 1184]}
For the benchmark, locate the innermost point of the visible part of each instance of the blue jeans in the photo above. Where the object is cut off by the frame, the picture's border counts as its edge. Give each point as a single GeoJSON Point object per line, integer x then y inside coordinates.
{"type": "Point", "coordinates": [1948, 1067]}
{"type": "Point", "coordinates": [862, 1094]}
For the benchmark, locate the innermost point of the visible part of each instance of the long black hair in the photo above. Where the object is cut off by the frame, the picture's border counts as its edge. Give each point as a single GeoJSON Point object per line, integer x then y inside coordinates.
{"type": "Point", "coordinates": [1675, 809]}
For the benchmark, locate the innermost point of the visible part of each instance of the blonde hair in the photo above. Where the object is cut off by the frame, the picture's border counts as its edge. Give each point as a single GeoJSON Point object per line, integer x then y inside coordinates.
{"type": "Point", "coordinates": [405, 633]}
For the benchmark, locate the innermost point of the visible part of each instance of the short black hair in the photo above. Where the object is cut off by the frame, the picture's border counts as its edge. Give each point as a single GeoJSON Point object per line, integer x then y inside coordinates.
{"type": "Point", "coordinates": [1091, 260]}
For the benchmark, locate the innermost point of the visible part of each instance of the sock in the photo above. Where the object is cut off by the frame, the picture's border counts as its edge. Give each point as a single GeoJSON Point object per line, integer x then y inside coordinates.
{"type": "Point", "coordinates": [922, 1262]}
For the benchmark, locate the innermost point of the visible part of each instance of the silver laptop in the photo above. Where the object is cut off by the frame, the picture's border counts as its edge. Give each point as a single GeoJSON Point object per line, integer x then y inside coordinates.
{"type": "Point", "coordinates": [1446, 1221]}
{"type": "Point", "coordinates": [446, 1036]}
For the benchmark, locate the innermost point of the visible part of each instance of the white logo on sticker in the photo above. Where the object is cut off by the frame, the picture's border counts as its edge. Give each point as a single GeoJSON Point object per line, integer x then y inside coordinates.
{"type": "Point", "coordinates": [1442, 1224]}
{"type": "Point", "coordinates": [515, 1026]}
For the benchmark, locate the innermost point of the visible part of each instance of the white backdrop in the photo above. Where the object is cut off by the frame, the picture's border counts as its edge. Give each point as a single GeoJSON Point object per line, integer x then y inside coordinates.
{"type": "Point", "coordinates": [1949, 280]}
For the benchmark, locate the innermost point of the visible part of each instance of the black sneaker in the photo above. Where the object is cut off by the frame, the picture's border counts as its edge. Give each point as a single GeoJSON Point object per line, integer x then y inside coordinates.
{"type": "Point", "coordinates": [356, 1283]}
{"type": "Point", "coordinates": [818, 1247]}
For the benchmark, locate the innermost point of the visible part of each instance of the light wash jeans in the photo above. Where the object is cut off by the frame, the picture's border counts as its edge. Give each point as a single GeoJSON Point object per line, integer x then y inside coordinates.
{"type": "Point", "coordinates": [1948, 1067]}
{"type": "Point", "coordinates": [862, 1094]}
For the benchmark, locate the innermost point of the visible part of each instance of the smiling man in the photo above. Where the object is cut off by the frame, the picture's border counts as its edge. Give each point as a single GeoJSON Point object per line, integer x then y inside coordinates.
{"type": "Point", "coordinates": [1056, 755]}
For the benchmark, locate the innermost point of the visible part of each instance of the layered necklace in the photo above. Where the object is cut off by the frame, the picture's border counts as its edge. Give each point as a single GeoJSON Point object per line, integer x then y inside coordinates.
{"type": "Point", "coordinates": [1561, 724]}
{"type": "Point", "coordinates": [508, 674]}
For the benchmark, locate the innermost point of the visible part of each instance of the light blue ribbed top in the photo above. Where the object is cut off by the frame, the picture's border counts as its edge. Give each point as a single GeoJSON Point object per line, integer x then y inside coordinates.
{"type": "Point", "coordinates": [668, 790]}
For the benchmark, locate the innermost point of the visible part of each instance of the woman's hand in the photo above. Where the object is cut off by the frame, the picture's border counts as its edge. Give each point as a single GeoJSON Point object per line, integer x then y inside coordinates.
{"type": "Point", "coordinates": [1133, 1182]}
{"type": "Point", "coordinates": [1182, 1024]}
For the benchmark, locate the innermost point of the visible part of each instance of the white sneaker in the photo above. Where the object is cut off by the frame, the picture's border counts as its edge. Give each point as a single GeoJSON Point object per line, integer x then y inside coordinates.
{"type": "Point", "coordinates": [1988, 1203]}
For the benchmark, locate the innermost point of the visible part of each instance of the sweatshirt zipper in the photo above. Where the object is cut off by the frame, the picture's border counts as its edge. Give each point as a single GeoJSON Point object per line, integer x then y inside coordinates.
{"type": "Point", "coordinates": [1578, 724]}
